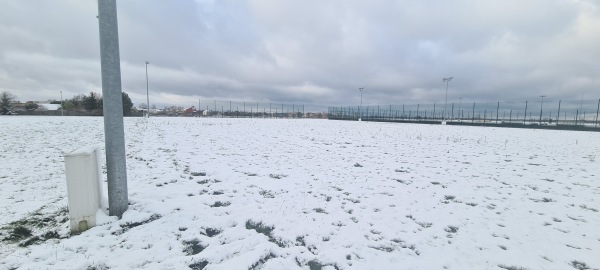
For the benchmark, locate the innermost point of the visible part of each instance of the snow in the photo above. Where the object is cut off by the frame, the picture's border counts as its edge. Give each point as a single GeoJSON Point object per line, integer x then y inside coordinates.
{"type": "Point", "coordinates": [51, 107]}
{"type": "Point", "coordinates": [336, 194]}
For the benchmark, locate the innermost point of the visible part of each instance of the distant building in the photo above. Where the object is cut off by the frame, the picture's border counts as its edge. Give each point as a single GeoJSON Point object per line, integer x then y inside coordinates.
{"type": "Point", "coordinates": [49, 107]}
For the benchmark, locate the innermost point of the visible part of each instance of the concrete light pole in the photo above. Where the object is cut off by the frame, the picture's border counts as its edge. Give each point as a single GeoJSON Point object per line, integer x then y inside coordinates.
{"type": "Point", "coordinates": [446, 80]}
{"type": "Point", "coordinates": [114, 133]}
{"type": "Point", "coordinates": [360, 108]}
{"type": "Point", "coordinates": [147, 93]}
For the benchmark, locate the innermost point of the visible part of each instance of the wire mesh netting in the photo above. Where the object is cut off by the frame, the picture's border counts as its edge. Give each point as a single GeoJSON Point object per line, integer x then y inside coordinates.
{"type": "Point", "coordinates": [547, 112]}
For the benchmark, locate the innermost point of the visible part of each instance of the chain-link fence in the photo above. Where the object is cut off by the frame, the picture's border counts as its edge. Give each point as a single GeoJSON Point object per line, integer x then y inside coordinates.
{"type": "Point", "coordinates": [243, 109]}
{"type": "Point", "coordinates": [543, 112]}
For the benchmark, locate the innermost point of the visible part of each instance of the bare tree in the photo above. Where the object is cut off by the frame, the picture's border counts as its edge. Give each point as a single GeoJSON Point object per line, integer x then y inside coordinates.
{"type": "Point", "coordinates": [6, 101]}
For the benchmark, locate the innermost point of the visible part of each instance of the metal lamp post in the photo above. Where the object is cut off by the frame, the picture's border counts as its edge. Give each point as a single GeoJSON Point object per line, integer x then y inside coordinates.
{"type": "Point", "coordinates": [541, 107]}
{"type": "Point", "coordinates": [114, 132]}
{"type": "Point", "coordinates": [360, 108]}
{"type": "Point", "coordinates": [147, 93]}
{"type": "Point", "coordinates": [446, 80]}
{"type": "Point", "coordinates": [459, 103]}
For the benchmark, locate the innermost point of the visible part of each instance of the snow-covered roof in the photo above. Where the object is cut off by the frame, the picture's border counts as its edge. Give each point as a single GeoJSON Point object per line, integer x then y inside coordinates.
{"type": "Point", "coordinates": [51, 107]}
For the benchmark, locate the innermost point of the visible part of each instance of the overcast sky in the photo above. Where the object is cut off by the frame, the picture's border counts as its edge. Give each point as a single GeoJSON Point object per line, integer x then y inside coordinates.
{"type": "Point", "coordinates": [308, 51]}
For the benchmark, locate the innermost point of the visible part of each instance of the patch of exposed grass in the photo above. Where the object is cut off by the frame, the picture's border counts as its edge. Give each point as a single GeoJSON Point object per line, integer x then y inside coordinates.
{"type": "Point", "coordinates": [384, 248]}
{"type": "Point", "coordinates": [198, 265]}
{"type": "Point", "coordinates": [277, 176]}
{"type": "Point", "coordinates": [259, 227]}
{"type": "Point", "coordinates": [100, 266]}
{"type": "Point", "coordinates": [129, 225]}
{"type": "Point", "coordinates": [320, 210]}
{"type": "Point", "coordinates": [451, 229]}
{"type": "Point", "coordinates": [30, 241]}
{"type": "Point", "coordinates": [357, 165]}
{"type": "Point", "coordinates": [425, 224]}
{"type": "Point", "coordinates": [585, 207]}
{"type": "Point", "coordinates": [266, 194]}
{"type": "Point", "coordinates": [220, 204]}
{"type": "Point", "coordinates": [192, 247]}
{"type": "Point", "coordinates": [579, 265]}
{"type": "Point", "coordinates": [300, 241]}
{"type": "Point", "coordinates": [403, 244]}
{"type": "Point", "coordinates": [18, 233]}
{"type": "Point", "coordinates": [315, 265]}
{"type": "Point", "coordinates": [210, 232]}
{"type": "Point", "coordinates": [50, 235]}
{"type": "Point", "coordinates": [406, 182]}
{"type": "Point", "coordinates": [198, 174]}
{"type": "Point", "coordinates": [262, 261]}
{"type": "Point", "coordinates": [511, 267]}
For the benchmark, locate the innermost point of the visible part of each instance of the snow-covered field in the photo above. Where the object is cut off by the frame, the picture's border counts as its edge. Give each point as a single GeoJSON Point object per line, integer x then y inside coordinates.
{"type": "Point", "coordinates": [307, 194]}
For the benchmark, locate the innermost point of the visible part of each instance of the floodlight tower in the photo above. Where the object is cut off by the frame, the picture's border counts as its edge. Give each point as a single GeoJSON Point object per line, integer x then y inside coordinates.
{"type": "Point", "coordinates": [147, 93]}
{"type": "Point", "coordinates": [360, 108]}
{"type": "Point", "coordinates": [446, 80]}
{"type": "Point", "coordinates": [541, 106]}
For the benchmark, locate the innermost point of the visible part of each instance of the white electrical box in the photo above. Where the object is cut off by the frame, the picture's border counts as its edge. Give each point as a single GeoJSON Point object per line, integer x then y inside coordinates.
{"type": "Point", "coordinates": [84, 187]}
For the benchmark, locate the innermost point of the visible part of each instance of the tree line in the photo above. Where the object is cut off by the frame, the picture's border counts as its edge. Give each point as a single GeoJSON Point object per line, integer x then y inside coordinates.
{"type": "Point", "coordinates": [91, 102]}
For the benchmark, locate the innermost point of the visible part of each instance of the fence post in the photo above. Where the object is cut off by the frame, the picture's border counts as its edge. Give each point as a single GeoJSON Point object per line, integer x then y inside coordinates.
{"type": "Point", "coordinates": [403, 111]}
{"type": "Point", "coordinates": [558, 114]}
{"type": "Point", "coordinates": [597, 109]}
{"type": "Point", "coordinates": [525, 117]}
{"type": "Point", "coordinates": [497, 109]}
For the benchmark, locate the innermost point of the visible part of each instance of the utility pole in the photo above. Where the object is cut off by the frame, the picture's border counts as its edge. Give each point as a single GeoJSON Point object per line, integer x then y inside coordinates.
{"type": "Point", "coordinates": [113, 108]}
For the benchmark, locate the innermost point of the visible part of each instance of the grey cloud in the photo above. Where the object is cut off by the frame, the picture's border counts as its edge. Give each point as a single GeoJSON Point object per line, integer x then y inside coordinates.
{"type": "Point", "coordinates": [309, 51]}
